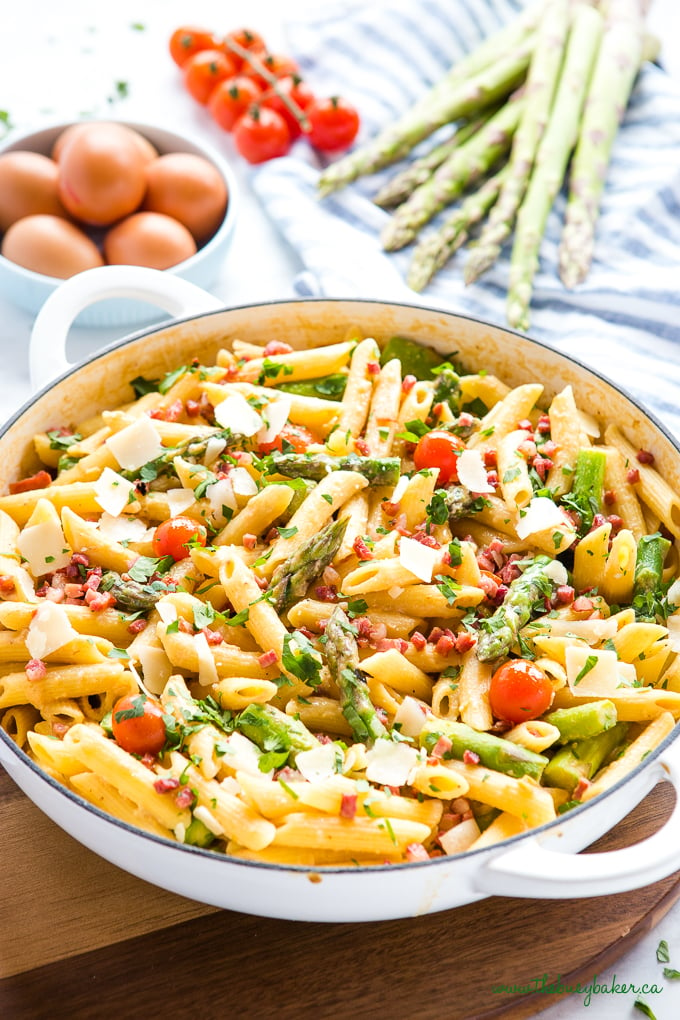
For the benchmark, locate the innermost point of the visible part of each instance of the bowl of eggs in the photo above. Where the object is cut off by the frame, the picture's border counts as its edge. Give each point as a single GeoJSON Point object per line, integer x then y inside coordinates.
{"type": "Point", "coordinates": [93, 193]}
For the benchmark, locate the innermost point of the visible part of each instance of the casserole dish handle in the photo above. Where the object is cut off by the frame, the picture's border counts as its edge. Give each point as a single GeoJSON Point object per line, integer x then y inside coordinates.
{"type": "Point", "coordinates": [532, 870]}
{"type": "Point", "coordinates": [47, 354]}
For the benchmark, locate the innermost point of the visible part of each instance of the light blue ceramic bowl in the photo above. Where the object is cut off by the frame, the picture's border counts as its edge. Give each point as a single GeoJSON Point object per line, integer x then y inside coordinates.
{"type": "Point", "coordinates": [30, 290]}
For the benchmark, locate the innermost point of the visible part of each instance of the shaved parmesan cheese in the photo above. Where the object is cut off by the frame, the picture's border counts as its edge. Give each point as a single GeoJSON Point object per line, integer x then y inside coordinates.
{"type": "Point", "coordinates": [460, 837]}
{"type": "Point", "coordinates": [592, 631]}
{"type": "Point", "coordinates": [207, 671]}
{"type": "Point", "coordinates": [123, 529]}
{"type": "Point", "coordinates": [44, 547]}
{"type": "Point", "coordinates": [49, 629]}
{"type": "Point", "coordinates": [390, 763]}
{"type": "Point", "coordinates": [136, 444]}
{"type": "Point", "coordinates": [541, 513]}
{"type": "Point", "coordinates": [156, 668]}
{"type": "Point", "coordinates": [410, 717]}
{"type": "Point", "coordinates": [557, 572]}
{"type": "Point", "coordinates": [236, 414]}
{"type": "Point", "coordinates": [399, 489]}
{"type": "Point", "coordinates": [207, 817]}
{"type": "Point", "coordinates": [472, 472]}
{"type": "Point", "coordinates": [395, 591]}
{"type": "Point", "coordinates": [589, 424]}
{"type": "Point", "coordinates": [673, 593]}
{"type": "Point", "coordinates": [242, 754]}
{"type": "Point", "coordinates": [221, 494]}
{"type": "Point", "coordinates": [419, 558]}
{"type": "Point", "coordinates": [592, 671]}
{"type": "Point", "coordinates": [242, 482]}
{"type": "Point", "coordinates": [113, 492]}
{"type": "Point", "coordinates": [274, 415]}
{"type": "Point", "coordinates": [319, 763]}
{"type": "Point", "coordinates": [167, 611]}
{"type": "Point", "coordinates": [179, 500]}
{"type": "Point", "coordinates": [673, 624]}
{"type": "Point", "coordinates": [213, 448]}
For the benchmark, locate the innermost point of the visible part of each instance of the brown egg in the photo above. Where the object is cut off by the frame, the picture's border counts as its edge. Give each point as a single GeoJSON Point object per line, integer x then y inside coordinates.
{"type": "Point", "coordinates": [148, 239]}
{"type": "Point", "coordinates": [101, 174]}
{"type": "Point", "coordinates": [189, 188]}
{"type": "Point", "coordinates": [28, 185]}
{"type": "Point", "coordinates": [50, 245]}
{"type": "Point", "coordinates": [143, 144]}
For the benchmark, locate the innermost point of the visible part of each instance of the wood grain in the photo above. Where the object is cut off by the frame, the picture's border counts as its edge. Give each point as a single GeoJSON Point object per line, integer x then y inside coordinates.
{"type": "Point", "coordinates": [154, 954]}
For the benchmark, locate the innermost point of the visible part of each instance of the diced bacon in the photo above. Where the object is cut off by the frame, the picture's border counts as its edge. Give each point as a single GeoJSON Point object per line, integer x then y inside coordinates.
{"type": "Point", "coordinates": [249, 541]}
{"type": "Point", "coordinates": [288, 774]}
{"type": "Point", "coordinates": [495, 548]}
{"type": "Point", "coordinates": [59, 729]}
{"type": "Point", "coordinates": [470, 757]}
{"type": "Point", "coordinates": [326, 592]}
{"type": "Point", "coordinates": [93, 580]}
{"type": "Point", "coordinates": [40, 480]}
{"type": "Point", "coordinates": [166, 785]}
{"type": "Point", "coordinates": [492, 479]}
{"type": "Point", "coordinates": [173, 412]}
{"type": "Point", "coordinates": [309, 634]}
{"type": "Point", "coordinates": [466, 420]}
{"type": "Point", "coordinates": [418, 640]}
{"type": "Point", "coordinates": [193, 408]}
{"type": "Point", "coordinates": [583, 605]}
{"type": "Point", "coordinates": [615, 521]}
{"type": "Point", "coordinates": [465, 641]}
{"type": "Point", "coordinates": [184, 626]}
{"type": "Point", "coordinates": [490, 459]}
{"type": "Point", "coordinates": [277, 347]}
{"type": "Point", "coordinates": [148, 760]}
{"type": "Point", "coordinates": [74, 591]}
{"type": "Point", "coordinates": [137, 626]}
{"type": "Point", "coordinates": [488, 585]}
{"type": "Point", "coordinates": [543, 424]}
{"type": "Point", "coordinates": [581, 788]}
{"type": "Point", "coordinates": [348, 805]}
{"type": "Point", "coordinates": [445, 645]}
{"type": "Point", "coordinates": [267, 658]}
{"type": "Point", "coordinates": [633, 476]}
{"type": "Point", "coordinates": [184, 797]}
{"type": "Point", "coordinates": [6, 583]}
{"type": "Point", "coordinates": [510, 571]}
{"type": "Point", "coordinates": [485, 562]}
{"type": "Point", "coordinates": [390, 509]}
{"type": "Point", "coordinates": [438, 409]}
{"type": "Point", "coordinates": [362, 446]}
{"type": "Point", "coordinates": [35, 669]}
{"type": "Point", "coordinates": [527, 449]}
{"type": "Point", "coordinates": [609, 497]}
{"type": "Point", "coordinates": [54, 594]}
{"type": "Point", "coordinates": [407, 384]}
{"type": "Point", "coordinates": [525, 424]}
{"type": "Point", "coordinates": [373, 368]}
{"type": "Point", "coordinates": [213, 637]}
{"type": "Point", "coordinates": [323, 738]}
{"type": "Point", "coordinates": [385, 644]}
{"type": "Point", "coordinates": [100, 600]}
{"type": "Point", "coordinates": [416, 852]}
{"type": "Point", "coordinates": [564, 593]}
{"type": "Point", "coordinates": [442, 747]}
{"type": "Point", "coordinates": [598, 521]}
{"type": "Point", "coordinates": [361, 549]}
{"type": "Point", "coordinates": [645, 457]}
{"type": "Point", "coordinates": [542, 465]}
{"type": "Point", "coordinates": [262, 582]}
{"type": "Point", "coordinates": [429, 540]}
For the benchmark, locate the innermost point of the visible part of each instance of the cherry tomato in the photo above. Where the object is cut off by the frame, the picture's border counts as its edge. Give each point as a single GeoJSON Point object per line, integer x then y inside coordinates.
{"type": "Point", "coordinates": [204, 71]}
{"type": "Point", "coordinates": [137, 724]}
{"type": "Point", "coordinates": [247, 39]}
{"type": "Point", "coordinates": [439, 449]}
{"type": "Point", "coordinates": [334, 124]}
{"type": "Point", "coordinates": [276, 63]}
{"type": "Point", "coordinates": [231, 99]}
{"type": "Point", "coordinates": [176, 536]}
{"type": "Point", "coordinates": [297, 90]}
{"type": "Point", "coordinates": [296, 436]}
{"type": "Point", "coordinates": [519, 691]}
{"type": "Point", "coordinates": [186, 41]}
{"type": "Point", "coordinates": [261, 134]}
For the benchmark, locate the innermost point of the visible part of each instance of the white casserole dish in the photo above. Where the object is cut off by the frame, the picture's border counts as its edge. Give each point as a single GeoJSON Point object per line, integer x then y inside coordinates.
{"type": "Point", "coordinates": [543, 863]}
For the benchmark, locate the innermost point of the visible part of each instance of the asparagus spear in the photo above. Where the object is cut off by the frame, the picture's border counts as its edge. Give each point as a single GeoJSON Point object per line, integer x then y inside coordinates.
{"type": "Point", "coordinates": [551, 160]}
{"type": "Point", "coordinates": [447, 389]}
{"type": "Point", "coordinates": [494, 752]}
{"type": "Point", "coordinates": [130, 596]}
{"type": "Point", "coordinates": [541, 83]}
{"type": "Point", "coordinates": [273, 730]}
{"type": "Point", "coordinates": [378, 470]}
{"type": "Point", "coordinates": [416, 359]}
{"type": "Point", "coordinates": [617, 65]}
{"type": "Point", "coordinates": [587, 490]}
{"type": "Point", "coordinates": [498, 633]}
{"type": "Point", "coordinates": [581, 721]}
{"type": "Point", "coordinates": [463, 168]}
{"type": "Point", "coordinates": [648, 577]}
{"type": "Point", "coordinates": [342, 656]}
{"type": "Point", "coordinates": [447, 102]}
{"type": "Point", "coordinates": [291, 578]}
{"type": "Point", "coordinates": [582, 758]}
{"type": "Point", "coordinates": [434, 251]}
{"type": "Point", "coordinates": [398, 189]}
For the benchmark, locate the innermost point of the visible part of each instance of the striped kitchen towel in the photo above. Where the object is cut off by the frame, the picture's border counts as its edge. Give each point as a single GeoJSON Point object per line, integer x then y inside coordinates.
{"type": "Point", "coordinates": [623, 321]}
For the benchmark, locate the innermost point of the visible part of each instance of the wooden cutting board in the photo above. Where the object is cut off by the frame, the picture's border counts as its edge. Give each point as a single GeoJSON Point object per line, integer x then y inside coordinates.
{"type": "Point", "coordinates": [77, 933]}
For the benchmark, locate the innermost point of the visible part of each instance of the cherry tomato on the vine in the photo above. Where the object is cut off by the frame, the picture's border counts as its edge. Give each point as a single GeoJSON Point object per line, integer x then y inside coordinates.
{"type": "Point", "coordinates": [296, 90]}
{"type": "Point", "coordinates": [295, 436]}
{"type": "Point", "coordinates": [439, 449]}
{"type": "Point", "coordinates": [277, 64]}
{"type": "Point", "coordinates": [186, 41]}
{"type": "Point", "coordinates": [519, 691]}
{"type": "Point", "coordinates": [247, 39]}
{"type": "Point", "coordinates": [176, 536]}
{"type": "Point", "coordinates": [334, 124]}
{"type": "Point", "coordinates": [231, 99]}
{"type": "Point", "coordinates": [204, 71]}
{"type": "Point", "coordinates": [261, 134]}
{"type": "Point", "coordinates": [137, 724]}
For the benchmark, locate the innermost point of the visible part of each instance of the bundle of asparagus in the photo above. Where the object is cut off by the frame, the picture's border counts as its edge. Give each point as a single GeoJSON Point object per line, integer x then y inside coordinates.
{"type": "Point", "coordinates": [544, 94]}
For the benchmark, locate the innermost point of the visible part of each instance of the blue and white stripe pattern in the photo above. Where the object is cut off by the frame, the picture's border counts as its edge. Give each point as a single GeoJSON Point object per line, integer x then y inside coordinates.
{"type": "Point", "coordinates": [624, 320]}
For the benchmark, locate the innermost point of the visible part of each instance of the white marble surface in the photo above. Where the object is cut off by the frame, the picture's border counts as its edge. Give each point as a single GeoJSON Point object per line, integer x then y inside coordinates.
{"type": "Point", "coordinates": [64, 59]}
